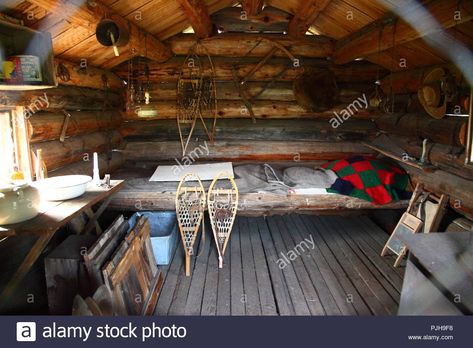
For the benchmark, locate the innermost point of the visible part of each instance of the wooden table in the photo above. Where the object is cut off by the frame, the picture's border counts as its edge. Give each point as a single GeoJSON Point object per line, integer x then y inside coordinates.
{"type": "Point", "coordinates": [53, 216]}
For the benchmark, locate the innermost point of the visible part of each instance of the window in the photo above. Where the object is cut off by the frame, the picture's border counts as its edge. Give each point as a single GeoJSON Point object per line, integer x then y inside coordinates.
{"type": "Point", "coordinates": [14, 144]}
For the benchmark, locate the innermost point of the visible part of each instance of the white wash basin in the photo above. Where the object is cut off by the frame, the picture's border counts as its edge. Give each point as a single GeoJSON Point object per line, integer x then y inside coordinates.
{"type": "Point", "coordinates": [64, 187]}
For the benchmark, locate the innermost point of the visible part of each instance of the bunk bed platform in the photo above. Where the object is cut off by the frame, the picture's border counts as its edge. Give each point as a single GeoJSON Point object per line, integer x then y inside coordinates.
{"type": "Point", "coordinates": [335, 270]}
{"type": "Point", "coordinates": [141, 194]}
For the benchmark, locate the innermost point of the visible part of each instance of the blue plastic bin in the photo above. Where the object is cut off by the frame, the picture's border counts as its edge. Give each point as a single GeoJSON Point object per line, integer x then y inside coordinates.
{"type": "Point", "coordinates": [163, 233]}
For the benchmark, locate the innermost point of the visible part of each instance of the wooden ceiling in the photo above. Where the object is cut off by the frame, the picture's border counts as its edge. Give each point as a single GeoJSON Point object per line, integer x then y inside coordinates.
{"type": "Point", "coordinates": [353, 25]}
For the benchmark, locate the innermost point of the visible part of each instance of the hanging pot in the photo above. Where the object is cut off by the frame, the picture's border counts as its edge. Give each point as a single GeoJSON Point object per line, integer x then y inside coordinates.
{"type": "Point", "coordinates": [112, 32]}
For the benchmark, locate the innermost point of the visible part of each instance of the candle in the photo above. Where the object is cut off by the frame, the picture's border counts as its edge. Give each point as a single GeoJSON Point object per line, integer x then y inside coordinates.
{"type": "Point", "coordinates": [96, 178]}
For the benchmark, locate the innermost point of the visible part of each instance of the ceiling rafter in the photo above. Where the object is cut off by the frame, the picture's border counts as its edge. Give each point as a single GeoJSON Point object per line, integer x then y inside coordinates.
{"type": "Point", "coordinates": [252, 7]}
{"type": "Point", "coordinates": [197, 14]}
{"type": "Point", "coordinates": [389, 32]}
{"type": "Point", "coordinates": [306, 16]}
{"type": "Point", "coordinates": [90, 13]}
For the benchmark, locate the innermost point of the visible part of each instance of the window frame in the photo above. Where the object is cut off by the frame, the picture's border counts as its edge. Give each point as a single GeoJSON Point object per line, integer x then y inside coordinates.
{"type": "Point", "coordinates": [20, 137]}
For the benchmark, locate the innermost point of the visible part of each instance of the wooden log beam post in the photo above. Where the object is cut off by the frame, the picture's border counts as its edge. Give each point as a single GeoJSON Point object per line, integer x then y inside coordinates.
{"type": "Point", "coordinates": [88, 14]}
{"type": "Point", "coordinates": [198, 16]}
{"type": "Point", "coordinates": [305, 16]}
{"type": "Point", "coordinates": [237, 45]}
{"type": "Point", "coordinates": [252, 7]}
{"type": "Point", "coordinates": [390, 31]}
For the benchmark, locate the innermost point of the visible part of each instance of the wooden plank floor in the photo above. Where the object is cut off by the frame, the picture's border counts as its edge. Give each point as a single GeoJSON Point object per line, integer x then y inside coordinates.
{"type": "Point", "coordinates": [287, 265]}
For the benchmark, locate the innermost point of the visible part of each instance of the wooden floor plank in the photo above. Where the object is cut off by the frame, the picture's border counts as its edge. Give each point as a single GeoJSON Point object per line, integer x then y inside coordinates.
{"type": "Point", "coordinates": [377, 238]}
{"type": "Point", "coordinates": [346, 232]}
{"type": "Point", "coordinates": [209, 300]}
{"type": "Point", "coordinates": [178, 305]}
{"type": "Point", "coordinates": [308, 287]}
{"type": "Point", "coordinates": [330, 278]}
{"type": "Point", "coordinates": [381, 263]}
{"type": "Point", "coordinates": [298, 297]}
{"type": "Point", "coordinates": [280, 288]}
{"type": "Point", "coordinates": [266, 295]}
{"type": "Point", "coordinates": [326, 298]}
{"type": "Point", "coordinates": [342, 270]}
{"type": "Point", "coordinates": [364, 281]}
{"type": "Point", "coordinates": [252, 301]}
{"type": "Point", "coordinates": [196, 289]}
{"type": "Point", "coordinates": [236, 272]}
{"type": "Point", "coordinates": [224, 291]}
{"type": "Point", "coordinates": [352, 294]}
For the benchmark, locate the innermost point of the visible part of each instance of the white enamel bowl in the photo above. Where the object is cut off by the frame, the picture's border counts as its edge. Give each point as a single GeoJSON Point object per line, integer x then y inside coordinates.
{"type": "Point", "coordinates": [61, 188]}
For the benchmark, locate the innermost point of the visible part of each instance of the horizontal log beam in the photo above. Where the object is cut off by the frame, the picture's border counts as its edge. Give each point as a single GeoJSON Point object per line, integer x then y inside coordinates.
{"type": "Point", "coordinates": [410, 81]}
{"type": "Point", "coordinates": [48, 125]}
{"type": "Point", "coordinates": [107, 165]}
{"type": "Point", "coordinates": [448, 158]}
{"type": "Point", "coordinates": [236, 109]}
{"type": "Point", "coordinates": [62, 97]}
{"type": "Point", "coordinates": [390, 32]}
{"type": "Point", "coordinates": [88, 14]}
{"type": "Point", "coordinates": [350, 73]}
{"type": "Point", "coordinates": [196, 13]}
{"type": "Point", "coordinates": [449, 131]}
{"type": "Point", "coordinates": [234, 129]}
{"type": "Point", "coordinates": [71, 74]}
{"type": "Point", "coordinates": [57, 154]}
{"type": "Point", "coordinates": [232, 20]}
{"type": "Point", "coordinates": [251, 150]}
{"type": "Point", "coordinates": [277, 91]}
{"type": "Point", "coordinates": [239, 45]}
{"type": "Point", "coordinates": [441, 182]}
{"type": "Point", "coordinates": [305, 16]}
{"type": "Point", "coordinates": [249, 204]}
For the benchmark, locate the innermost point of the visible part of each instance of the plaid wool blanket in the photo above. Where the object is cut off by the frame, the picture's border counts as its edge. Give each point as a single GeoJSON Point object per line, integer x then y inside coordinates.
{"type": "Point", "coordinates": [370, 179]}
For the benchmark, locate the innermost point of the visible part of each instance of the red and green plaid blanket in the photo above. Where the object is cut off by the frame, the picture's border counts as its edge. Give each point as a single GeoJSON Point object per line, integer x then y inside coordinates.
{"type": "Point", "coordinates": [370, 179]}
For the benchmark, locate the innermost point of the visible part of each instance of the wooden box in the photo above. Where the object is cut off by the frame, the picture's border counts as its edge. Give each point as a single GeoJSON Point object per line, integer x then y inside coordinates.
{"type": "Point", "coordinates": [19, 40]}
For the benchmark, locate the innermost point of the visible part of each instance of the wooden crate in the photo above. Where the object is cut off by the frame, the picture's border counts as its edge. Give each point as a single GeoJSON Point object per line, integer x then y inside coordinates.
{"type": "Point", "coordinates": [132, 273]}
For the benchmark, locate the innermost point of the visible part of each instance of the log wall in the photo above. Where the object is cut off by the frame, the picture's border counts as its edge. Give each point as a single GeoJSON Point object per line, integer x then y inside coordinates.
{"type": "Point", "coordinates": [95, 117]}
{"type": "Point", "coordinates": [283, 131]}
{"type": "Point", "coordinates": [270, 87]}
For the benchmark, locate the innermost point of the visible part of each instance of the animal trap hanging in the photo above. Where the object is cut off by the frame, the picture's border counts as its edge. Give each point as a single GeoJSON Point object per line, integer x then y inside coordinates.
{"type": "Point", "coordinates": [196, 96]}
{"type": "Point", "coordinates": [222, 206]}
{"type": "Point", "coordinates": [190, 206]}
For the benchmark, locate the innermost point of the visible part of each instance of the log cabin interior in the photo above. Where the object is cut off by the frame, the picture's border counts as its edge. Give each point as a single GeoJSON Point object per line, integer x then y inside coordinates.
{"type": "Point", "coordinates": [216, 157]}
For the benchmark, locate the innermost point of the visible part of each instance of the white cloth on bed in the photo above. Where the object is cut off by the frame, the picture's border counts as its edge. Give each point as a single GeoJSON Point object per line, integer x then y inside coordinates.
{"type": "Point", "coordinates": [294, 180]}
{"type": "Point", "coordinates": [304, 177]}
